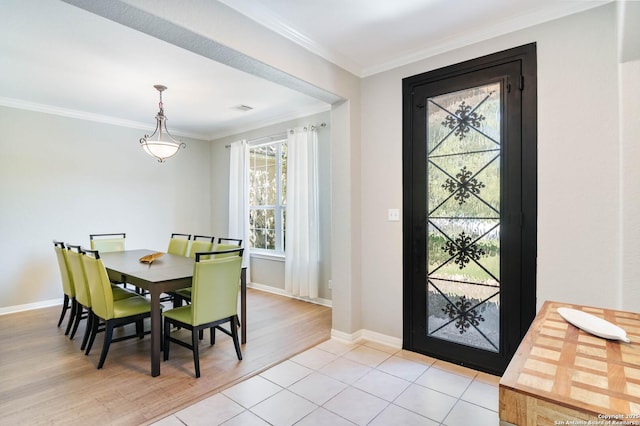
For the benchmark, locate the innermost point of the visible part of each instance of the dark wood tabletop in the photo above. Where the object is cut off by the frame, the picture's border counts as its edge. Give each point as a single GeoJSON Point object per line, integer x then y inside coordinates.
{"type": "Point", "coordinates": [169, 267]}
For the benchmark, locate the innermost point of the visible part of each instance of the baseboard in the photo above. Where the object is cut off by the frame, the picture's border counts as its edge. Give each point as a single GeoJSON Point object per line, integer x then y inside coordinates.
{"type": "Point", "coordinates": [359, 335]}
{"type": "Point", "coordinates": [368, 335]}
{"type": "Point", "coordinates": [30, 306]}
{"type": "Point", "coordinates": [282, 292]}
{"type": "Point", "coordinates": [261, 287]}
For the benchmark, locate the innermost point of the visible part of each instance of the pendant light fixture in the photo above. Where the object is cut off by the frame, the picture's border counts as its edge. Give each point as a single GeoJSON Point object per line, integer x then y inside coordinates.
{"type": "Point", "coordinates": [161, 148]}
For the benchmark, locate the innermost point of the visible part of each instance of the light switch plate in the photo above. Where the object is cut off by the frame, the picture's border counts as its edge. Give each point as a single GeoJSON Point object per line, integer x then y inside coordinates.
{"type": "Point", "coordinates": [394, 215]}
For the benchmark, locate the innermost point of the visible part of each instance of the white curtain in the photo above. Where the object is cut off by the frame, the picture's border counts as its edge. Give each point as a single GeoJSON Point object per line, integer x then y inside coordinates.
{"type": "Point", "coordinates": [302, 229]}
{"type": "Point", "coordinates": [239, 197]}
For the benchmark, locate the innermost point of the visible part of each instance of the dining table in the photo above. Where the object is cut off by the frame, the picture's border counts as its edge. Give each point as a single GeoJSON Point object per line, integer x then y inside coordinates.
{"type": "Point", "coordinates": [165, 274]}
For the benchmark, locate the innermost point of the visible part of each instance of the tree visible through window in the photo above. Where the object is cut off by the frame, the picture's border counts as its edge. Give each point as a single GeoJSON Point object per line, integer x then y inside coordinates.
{"type": "Point", "coordinates": [267, 196]}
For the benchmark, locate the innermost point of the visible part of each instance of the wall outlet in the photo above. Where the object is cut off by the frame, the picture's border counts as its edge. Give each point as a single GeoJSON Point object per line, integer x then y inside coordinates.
{"type": "Point", "coordinates": [393, 215]}
{"type": "Point", "coordinates": [330, 284]}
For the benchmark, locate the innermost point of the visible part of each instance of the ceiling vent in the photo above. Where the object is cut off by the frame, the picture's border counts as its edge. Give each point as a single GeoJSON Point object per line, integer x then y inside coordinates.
{"type": "Point", "coordinates": [243, 108]}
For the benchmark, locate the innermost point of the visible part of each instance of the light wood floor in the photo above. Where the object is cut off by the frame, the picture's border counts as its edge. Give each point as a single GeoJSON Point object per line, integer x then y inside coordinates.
{"type": "Point", "coordinates": [46, 379]}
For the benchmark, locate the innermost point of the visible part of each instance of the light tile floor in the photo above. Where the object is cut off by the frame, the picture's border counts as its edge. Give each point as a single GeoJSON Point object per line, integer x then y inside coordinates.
{"type": "Point", "coordinates": [364, 383]}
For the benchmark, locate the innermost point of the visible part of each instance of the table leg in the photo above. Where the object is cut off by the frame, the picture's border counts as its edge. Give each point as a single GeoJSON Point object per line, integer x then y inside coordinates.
{"type": "Point", "coordinates": [156, 331]}
{"type": "Point", "coordinates": [243, 305]}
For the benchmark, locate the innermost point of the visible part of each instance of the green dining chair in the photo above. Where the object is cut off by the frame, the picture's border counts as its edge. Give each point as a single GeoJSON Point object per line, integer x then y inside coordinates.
{"type": "Point", "coordinates": [200, 243]}
{"type": "Point", "coordinates": [105, 307]}
{"type": "Point", "coordinates": [227, 244]}
{"type": "Point", "coordinates": [69, 303]}
{"type": "Point", "coordinates": [83, 296]}
{"type": "Point", "coordinates": [224, 244]}
{"type": "Point", "coordinates": [107, 242]}
{"type": "Point", "coordinates": [178, 244]}
{"type": "Point", "coordinates": [214, 302]}
{"type": "Point", "coordinates": [82, 292]}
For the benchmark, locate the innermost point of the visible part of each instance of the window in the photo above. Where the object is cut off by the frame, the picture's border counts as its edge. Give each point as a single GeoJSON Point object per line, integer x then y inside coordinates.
{"type": "Point", "coordinates": [267, 196]}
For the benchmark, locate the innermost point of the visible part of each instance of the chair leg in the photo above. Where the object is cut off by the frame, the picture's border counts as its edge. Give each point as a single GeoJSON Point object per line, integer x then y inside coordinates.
{"type": "Point", "coordinates": [72, 318]}
{"type": "Point", "coordinates": [108, 332]}
{"type": "Point", "coordinates": [165, 346]}
{"type": "Point", "coordinates": [76, 322]}
{"type": "Point", "coordinates": [196, 355]}
{"type": "Point", "coordinates": [95, 323]}
{"type": "Point", "coordinates": [234, 335]}
{"type": "Point", "coordinates": [88, 333]}
{"type": "Point", "coordinates": [87, 330]}
{"type": "Point", "coordinates": [212, 332]}
{"type": "Point", "coordinates": [161, 334]}
{"type": "Point", "coordinates": [65, 307]}
{"type": "Point", "coordinates": [140, 329]}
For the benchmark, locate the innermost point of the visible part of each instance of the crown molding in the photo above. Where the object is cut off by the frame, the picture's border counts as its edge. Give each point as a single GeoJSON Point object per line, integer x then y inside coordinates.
{"type": "Point", "coordinates": [316, 48]}
{"type": "Point", "coordinates": [87, 116]}
{"type": "Point", "coordinates": [273, 22]}
{"type": "Point", "coordinates": [264, 17]}
{"type": "Point", "coordinates": [479, 34]}
{"type": "Point", "coordinates": [105, 119]}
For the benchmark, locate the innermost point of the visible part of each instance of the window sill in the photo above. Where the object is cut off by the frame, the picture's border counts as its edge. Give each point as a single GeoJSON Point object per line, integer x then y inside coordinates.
{"type": "Point", "coordinates": [268, 256]}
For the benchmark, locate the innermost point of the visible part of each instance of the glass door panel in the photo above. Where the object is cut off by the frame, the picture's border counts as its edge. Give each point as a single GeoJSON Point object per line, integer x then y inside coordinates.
{"type": "Point", "coordinates": [463, 197]}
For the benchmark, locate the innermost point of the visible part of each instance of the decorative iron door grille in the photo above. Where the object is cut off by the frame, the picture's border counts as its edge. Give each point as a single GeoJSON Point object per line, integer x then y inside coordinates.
{"type": "Point", "coordinates": [470, 200]}
{"type": "Point", "coordinates": [463, 205]}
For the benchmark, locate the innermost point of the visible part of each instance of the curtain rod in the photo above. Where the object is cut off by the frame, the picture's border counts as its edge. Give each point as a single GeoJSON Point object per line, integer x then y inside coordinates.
{"type": "Point", "coordinates": [278, 136]}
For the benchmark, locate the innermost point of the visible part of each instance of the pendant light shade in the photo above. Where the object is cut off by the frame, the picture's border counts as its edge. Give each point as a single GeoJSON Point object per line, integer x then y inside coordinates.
{"type": "Point", "coordinates": [161, 145]}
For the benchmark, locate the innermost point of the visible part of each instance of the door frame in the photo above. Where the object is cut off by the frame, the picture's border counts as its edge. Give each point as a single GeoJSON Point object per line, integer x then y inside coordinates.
{"type": "Point", "coordinates": [412, 214]}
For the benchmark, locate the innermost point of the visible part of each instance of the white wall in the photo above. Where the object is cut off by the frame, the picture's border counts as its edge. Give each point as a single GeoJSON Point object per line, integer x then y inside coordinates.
{"type": "Point", "coordinates": [579, 183]}
{"type": "Point", "coordinates": [630, 174]}
{"type": "Point", "coordinates": [64, 178]}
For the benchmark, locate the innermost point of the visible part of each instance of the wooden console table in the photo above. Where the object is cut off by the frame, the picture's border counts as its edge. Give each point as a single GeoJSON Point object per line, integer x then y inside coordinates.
{"type": "Point", "coordinates": [561, 374]}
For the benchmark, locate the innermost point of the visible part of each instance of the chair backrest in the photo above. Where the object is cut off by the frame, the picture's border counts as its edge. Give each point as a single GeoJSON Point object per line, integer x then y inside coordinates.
{"type": "Point", "coordinates": [178, 244]}
{"type": "Point", "coordinates": [225, 244]}
{"type": "Point", "coordinates": [230, 241]}
{"type": "Point", "coordinates": [107, 242]}
{"type": "Point", "coordinates": [76, 268]}
{"type": "Point", "coordinates": [65, 274]}
{"type": "Point", "coordinates": [214, 290]}
{"type": "Point", "coordinates": [99, 284]}
{"type": "Point", "coordinates": [200, 243]}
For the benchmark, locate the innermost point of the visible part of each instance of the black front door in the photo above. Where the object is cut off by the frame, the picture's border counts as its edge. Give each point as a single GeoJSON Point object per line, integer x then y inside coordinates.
{"type": "Point", "coordinates": [469, 185]}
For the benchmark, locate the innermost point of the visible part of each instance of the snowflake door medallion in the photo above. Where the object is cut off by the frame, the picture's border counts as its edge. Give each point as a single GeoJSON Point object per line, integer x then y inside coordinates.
{"type": "Point", "coordinates": [463, 186]}
{"type": "Point", "coordinates": [466, 317]}
{"type": "Point", "coordinates": [463, 249]}
{"type": "Point", "coordinates": [463, 120]}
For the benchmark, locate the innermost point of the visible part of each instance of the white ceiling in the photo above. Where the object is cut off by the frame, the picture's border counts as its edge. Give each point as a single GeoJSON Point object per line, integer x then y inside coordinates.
{"type": "Point", "coordinates": [369, 36]}
{"type": "Point", "coordinates": [56, 57]}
